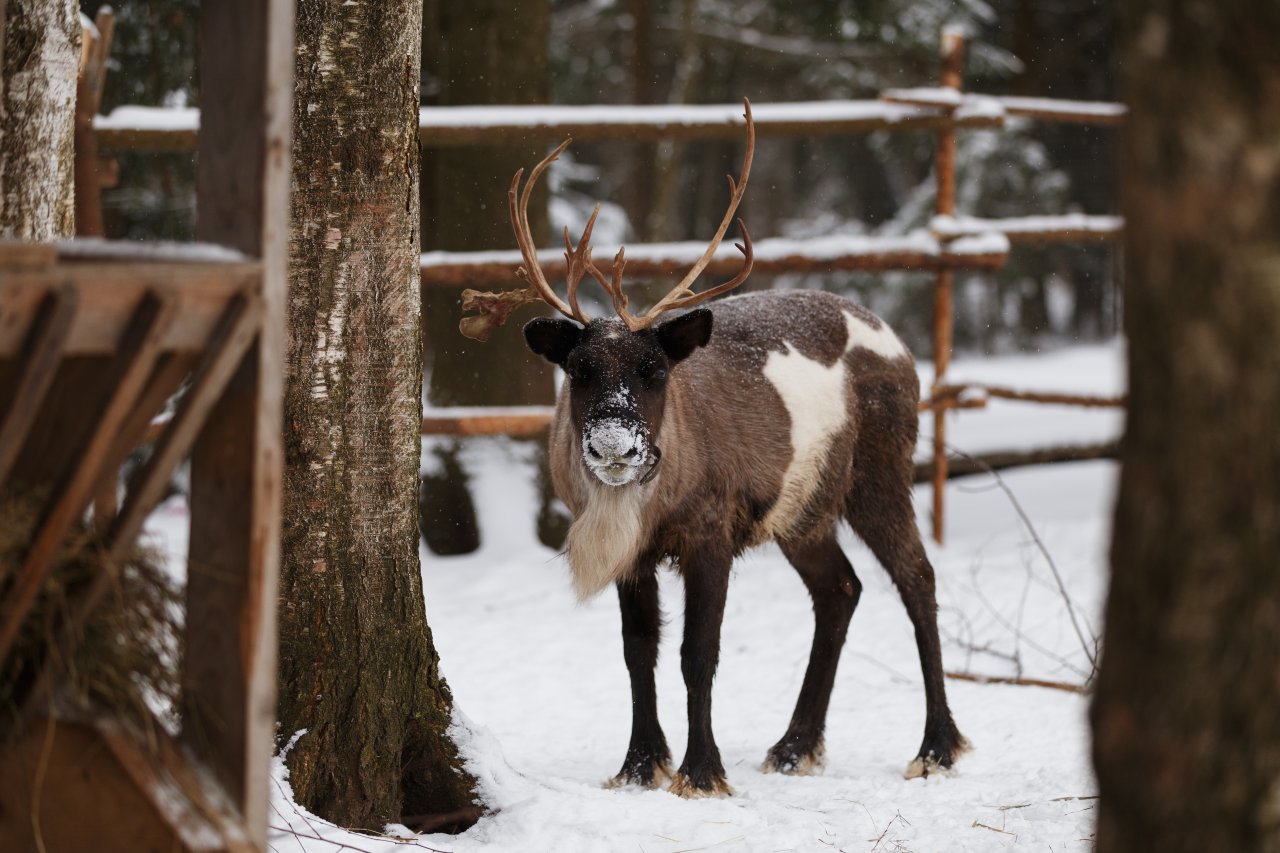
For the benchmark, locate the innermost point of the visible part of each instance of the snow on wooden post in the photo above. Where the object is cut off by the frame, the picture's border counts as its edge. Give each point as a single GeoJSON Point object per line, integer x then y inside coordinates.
{"type": "Point", "coordinates": [952, 67]}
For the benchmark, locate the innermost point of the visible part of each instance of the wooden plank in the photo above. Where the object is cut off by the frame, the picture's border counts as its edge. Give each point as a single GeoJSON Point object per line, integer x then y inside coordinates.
{"type": "Point", "coordinates": [138, 352]}
{"type": "Point", "coordinates": [243, 180]}
{"type": "Point", "coordinates": [41, 356]}
{"type": "Point", "coordinates": [1071, 112]}
{"type": "Point", "coordinates": [164, 383]}
{"type": "Point", "coordinates": [458, 270]}
{"type": "Point", "coordinates": [451, 127]}
{"type": "Point", "coordinates": [108, 291]}
{"type": "Point", "coordinates": [17, 254]}
{"type": "Point", "coordinates": [529, 420]}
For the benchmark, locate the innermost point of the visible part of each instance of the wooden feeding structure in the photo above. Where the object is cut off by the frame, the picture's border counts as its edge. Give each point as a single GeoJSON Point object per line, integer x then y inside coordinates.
{"type": "Point", "coordinates": [95, 337]}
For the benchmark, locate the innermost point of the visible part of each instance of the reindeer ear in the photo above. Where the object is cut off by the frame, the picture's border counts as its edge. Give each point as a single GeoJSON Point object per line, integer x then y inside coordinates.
{"type": "Point", "coordinates": [682, 335]}
{"type": "Point", "coordinates": [552, 338]}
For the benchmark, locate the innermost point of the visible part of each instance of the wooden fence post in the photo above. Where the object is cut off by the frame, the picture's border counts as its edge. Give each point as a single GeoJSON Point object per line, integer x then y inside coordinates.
{"type": "Point", "coordinates": [943, 319]}
{"type": "Point", "coordinates": [242, 197]}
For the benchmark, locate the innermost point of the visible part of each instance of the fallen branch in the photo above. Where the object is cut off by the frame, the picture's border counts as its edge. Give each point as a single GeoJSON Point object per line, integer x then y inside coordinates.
{"type": "Point", "coordinates": [1020, 682]}
{"type": "Point", "coordinates": [966, 465]}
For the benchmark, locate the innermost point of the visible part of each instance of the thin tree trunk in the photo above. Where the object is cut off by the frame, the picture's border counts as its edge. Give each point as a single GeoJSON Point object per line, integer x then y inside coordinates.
{"type": "Point", "coordinates": [40, 59]}
{"type": "Point", "coordinates": [1186, 721]}
{"type": "Point", "coordinates": [358, 669]}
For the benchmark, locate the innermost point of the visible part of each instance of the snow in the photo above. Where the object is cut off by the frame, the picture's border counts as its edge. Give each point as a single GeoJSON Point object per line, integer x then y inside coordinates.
{"type": "Point", "coordinates": [149, 118]}
{"type": "Point", "coordinates": [543, 694]}
{"type": "Point", "coordinates": [151, 251]}
{"type": "Point", "coordinates": [1094, 109]}
{"type": "Point", "coordinates": [134, 117]}
{"type": "Point", "coordinates": [663, 115]}
{"type": "Point", "coordinates": [954, 226]}
{"type": "Point", "coordinates": [829, 247]}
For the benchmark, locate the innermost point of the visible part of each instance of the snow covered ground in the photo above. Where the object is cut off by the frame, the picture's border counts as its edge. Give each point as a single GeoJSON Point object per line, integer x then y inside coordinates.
{"type": "Point", "coordinates": [544, 700]}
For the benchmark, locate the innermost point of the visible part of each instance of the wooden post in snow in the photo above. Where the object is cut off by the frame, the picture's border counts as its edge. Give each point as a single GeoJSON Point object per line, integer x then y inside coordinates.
{"type": "Point", "coordinates": [952, 66]}
{"type": "Point", "coordinates": [242, 197]}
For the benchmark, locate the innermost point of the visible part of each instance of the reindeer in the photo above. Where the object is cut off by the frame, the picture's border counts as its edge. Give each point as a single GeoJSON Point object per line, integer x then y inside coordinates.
{"type": "Point", "coordinates": [690, 434]}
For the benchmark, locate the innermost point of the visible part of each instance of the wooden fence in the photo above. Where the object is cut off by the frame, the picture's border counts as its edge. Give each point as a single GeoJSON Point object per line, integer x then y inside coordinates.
{"type": "Point", "coordinates": [952, 244]}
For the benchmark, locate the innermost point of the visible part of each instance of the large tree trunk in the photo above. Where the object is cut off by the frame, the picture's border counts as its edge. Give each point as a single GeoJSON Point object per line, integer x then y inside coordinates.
{"type": "Point", "coordinates": [479, 52]}
{"type": "Point", "coordinates": [40, 60]}
{"type": "Point", "coordinates": [1186, 719]}
{"type": "Point", "coordinates": [358, 668]}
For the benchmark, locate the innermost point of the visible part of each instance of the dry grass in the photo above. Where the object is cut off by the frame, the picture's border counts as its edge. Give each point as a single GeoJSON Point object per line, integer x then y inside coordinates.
{"type": "Point", "coordinates": [126, 657]}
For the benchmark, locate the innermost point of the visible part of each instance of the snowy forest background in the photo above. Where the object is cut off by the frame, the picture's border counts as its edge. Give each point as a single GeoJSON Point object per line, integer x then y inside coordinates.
{"type": "Point", "coordinates": [709, 51]}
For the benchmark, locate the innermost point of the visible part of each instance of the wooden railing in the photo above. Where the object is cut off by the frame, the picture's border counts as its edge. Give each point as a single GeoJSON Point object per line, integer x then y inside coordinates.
{"type": "Point", "coordinates": [952, 243]}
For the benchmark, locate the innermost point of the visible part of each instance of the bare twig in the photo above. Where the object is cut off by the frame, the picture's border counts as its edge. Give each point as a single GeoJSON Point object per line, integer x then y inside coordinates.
{"type": "Point", "coordinates": [977, 823]}
{"type": "Point", "coordinates": [1089, 652]}
{"type": "Point", "coordinates": [1020, 682]}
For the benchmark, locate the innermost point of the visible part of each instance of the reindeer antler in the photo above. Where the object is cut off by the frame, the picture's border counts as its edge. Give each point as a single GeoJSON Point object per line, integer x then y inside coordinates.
{"type": "Point", "coordinates": [682, 295]}
{"type": "Point", "coordinates": [495, 308]}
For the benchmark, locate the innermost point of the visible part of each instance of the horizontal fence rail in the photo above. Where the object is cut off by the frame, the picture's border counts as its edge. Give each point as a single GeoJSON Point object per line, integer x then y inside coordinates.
{"type": "Point", "coordinates": [174, 128]}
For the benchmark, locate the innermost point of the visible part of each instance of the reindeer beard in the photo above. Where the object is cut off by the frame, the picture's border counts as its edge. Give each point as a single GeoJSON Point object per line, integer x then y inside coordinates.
{"type": "Point", "coordinates": [604, 541]}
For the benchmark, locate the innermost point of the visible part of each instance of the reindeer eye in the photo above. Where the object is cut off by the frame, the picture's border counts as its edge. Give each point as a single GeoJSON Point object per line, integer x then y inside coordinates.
{"type": "Point", "coordinates": [653, 372]}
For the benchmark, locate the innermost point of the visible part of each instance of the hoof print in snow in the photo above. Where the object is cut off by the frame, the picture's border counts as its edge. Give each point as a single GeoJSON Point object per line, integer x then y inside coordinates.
{"type": "Point", "coordinates": [654, 776]}
{"type": "Point", "coordinates": [683, 786]}
{"type": "Point", "coordinates": [794, 762]}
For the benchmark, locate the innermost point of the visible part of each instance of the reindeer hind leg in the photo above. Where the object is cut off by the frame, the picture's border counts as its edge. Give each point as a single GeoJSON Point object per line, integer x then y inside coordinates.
{"type": "Point", "coordinates": [835, 591]}
{"type": "Point", "coordinates": [880, 512]}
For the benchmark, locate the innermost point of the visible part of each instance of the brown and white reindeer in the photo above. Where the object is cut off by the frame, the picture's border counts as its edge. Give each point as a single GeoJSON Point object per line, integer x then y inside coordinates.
{"type": "Point", "coordinates": [691, 434]}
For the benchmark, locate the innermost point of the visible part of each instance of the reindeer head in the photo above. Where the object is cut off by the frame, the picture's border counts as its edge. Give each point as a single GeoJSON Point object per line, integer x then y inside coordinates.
{"type": "Point", "coordinates": [618, 385]}
{"type": "Point", "coordinates": [618, 367]}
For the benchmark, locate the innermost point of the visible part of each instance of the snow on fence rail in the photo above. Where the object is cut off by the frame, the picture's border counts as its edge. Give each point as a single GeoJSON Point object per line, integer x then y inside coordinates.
{"type": "Point", "coordinates": [175, 128]}
{"type": "Point", "coordinates": [918, 250]}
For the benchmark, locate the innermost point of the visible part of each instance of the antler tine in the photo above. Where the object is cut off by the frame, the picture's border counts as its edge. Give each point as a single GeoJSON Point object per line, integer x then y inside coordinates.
{"type": "Point", "coordinates": [578, 262]}
{"type": "Point", "coordinates": [682, 294]}
{"type": "Point", "coordinates": [518, 206]}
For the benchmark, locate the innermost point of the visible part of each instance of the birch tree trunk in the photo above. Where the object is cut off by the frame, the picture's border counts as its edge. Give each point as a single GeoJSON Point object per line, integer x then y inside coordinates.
{"type": "Point", "coordinates": [358, 670]}
{"type": "Point", "coordinates": [1187, 713]}
{"type": "Point", "coordinates": [40, 60]}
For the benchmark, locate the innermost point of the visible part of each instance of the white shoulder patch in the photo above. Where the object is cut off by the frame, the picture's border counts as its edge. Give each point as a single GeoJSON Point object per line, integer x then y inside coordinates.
{"type": "Point", "coordinates": [881, 341]}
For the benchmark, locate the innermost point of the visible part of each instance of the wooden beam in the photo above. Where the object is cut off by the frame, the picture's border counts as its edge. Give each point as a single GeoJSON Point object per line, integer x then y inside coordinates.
{"type": "Point", "coordinates": [513, 421]}
{"type": "Point", "coordinates": [984, 463]}
{"type": "Point", "coordinates": [41, 356]}
{"type": "Point", "coordinates": [454, 269]}
{"type": "Point", "coordinates": [242, 201]}
{"type": "Point", "coordinates": [109, 289]}
{"type": "Point", "coordinates": [138, 352]}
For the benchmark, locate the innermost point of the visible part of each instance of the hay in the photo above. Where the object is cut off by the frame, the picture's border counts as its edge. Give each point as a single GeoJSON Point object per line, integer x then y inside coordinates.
{"type": "Point", "coordinates": [126, 660]}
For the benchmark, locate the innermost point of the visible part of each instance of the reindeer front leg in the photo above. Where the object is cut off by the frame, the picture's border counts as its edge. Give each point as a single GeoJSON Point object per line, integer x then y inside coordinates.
{"type": "Point", "coordinates": [648, 761]}
{"type": "Point", "coordinates": [706, 581]}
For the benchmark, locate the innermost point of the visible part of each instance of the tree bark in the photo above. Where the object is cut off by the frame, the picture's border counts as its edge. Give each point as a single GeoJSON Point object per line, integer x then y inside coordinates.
{"type": "Point", "coordinates": [1186, 729]}
{"type": "Point", "coordinates": [40, 62]}
{"type": "Point", "coordinates": [359, 671]}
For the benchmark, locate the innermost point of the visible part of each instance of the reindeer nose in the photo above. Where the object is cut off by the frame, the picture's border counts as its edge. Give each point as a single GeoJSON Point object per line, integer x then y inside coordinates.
{"type": "Point", "coordinates": [612, 442]}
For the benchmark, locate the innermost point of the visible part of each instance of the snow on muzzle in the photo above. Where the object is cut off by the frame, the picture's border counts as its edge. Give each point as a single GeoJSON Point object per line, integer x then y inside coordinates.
{"type": "Point", "coordinates": [615, 449]}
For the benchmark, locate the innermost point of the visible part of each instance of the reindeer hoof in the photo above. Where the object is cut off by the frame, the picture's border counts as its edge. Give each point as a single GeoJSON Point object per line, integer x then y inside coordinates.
{"type": "Point", "coordinates": [684, 786]}
{"type": "Point", "coordinates": [650, 775]}
{"type": "Point", "coordinates": [932, 762]}
{"type": "Point", "coordinates": [793, 760]}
